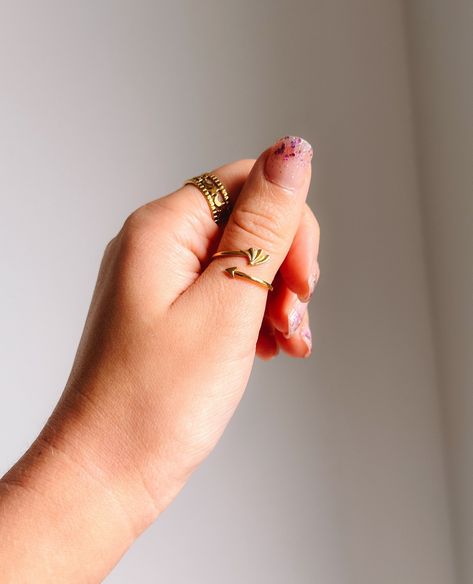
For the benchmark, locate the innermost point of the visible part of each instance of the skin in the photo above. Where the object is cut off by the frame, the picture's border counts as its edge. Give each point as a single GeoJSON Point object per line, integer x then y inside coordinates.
{"type": "Point", "coordinates": [164, 359]}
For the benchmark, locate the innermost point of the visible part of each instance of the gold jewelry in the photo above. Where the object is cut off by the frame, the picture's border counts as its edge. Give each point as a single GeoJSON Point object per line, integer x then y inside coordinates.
{"type": "Point", "coordinates": [255, 256]}
{"type": "Point", "coordinates": [216, 194]}
{"type": "Point", "coordinates": [234, 273]}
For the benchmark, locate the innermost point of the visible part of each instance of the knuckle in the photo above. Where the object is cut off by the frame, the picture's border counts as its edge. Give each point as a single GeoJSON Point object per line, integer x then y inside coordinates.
{"type": "Point", "coordinates": [136, 230]}
{"type": "Point", "coordinates": [311, 218]}
{"type": "Point", "coordinates": [110, 248]}
{"type": "Point", "coordinates": [263, 226]}
{"type": "Point", "coordinates": [246, 163]}
{"type": "Point", "coordinates": [135, 221]}
{"type": "Point", "coordinates": [312, 222]}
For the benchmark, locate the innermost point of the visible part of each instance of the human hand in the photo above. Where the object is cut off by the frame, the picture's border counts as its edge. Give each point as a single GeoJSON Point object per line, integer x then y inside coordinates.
{"type": "Point", "coordinates": [170, 339]}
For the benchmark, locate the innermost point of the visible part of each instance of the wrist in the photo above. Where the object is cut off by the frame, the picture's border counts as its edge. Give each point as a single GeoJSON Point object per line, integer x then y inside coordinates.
{"type": "Point", "coordinates": [92, 447]}
{"type": "Point", "coordinates": [50, 502]}
{"type": "Point", "coordinates": [116, 442]}
{"type": "Point", "coordinates": [79, 489]}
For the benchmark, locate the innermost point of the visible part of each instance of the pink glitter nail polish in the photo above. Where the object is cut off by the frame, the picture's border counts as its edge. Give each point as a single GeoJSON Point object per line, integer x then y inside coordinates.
{"type": "Point", "coordinates": [295, 317]}
{"type": "Point", "coordinates": [306, 336]}
{"type": "Point", "coordinates": [312, 283]}
{"type": "Point", "coordinates": [286, 164]}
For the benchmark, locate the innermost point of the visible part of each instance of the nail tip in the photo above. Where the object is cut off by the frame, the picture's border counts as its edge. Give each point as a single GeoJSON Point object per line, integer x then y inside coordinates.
{"type": "Point", "coordinates": [306, 336]}
{"type": "Point", "coordinates": [296, 141]}
{"type": "Point", "coordinates": [293, 148]}
{"type": "Point", "coordinates": [312, 285]}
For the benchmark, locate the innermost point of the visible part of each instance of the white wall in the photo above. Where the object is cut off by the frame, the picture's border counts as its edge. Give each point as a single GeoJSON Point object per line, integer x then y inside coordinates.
{"type": "Point", "coordinates": [332, 470]}
{"type": "Point", "coordinates": [441, 44]}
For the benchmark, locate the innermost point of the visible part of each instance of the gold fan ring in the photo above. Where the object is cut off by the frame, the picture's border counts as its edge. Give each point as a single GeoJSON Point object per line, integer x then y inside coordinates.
{"type": "Point", "coordinates": [255, 257]}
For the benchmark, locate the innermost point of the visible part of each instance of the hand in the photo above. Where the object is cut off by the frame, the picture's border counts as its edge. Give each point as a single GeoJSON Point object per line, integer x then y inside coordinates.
{"type": "Point", "coordinates": [170, 339]}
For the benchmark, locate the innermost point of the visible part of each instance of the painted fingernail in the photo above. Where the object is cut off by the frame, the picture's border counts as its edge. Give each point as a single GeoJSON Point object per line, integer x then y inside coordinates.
{"type": "Point", "coordinates": [294, 318]}
{"type": "Point", "coordinates": [306, 336]}
{"type": "Point", "coordinates": [312, 283]}
{"type": "Point", "coordinates": [288, 160]}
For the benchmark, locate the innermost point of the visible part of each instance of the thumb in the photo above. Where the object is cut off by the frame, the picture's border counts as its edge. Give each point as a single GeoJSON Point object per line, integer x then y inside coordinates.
{"type": "Point", "coordinates": [266, 215]}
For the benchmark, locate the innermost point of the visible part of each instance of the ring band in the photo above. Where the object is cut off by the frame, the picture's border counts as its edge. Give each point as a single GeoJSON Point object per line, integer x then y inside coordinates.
{"type": "Point", "coordinates": [215, 193]}
{"type": "Point", "coordinates": [255, 256]}
{"type": "Point", "coordinates": [234, 273]}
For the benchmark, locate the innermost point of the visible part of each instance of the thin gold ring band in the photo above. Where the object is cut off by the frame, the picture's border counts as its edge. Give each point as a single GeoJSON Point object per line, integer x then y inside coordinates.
{"type": "Point", "coordinates": [234, 273]}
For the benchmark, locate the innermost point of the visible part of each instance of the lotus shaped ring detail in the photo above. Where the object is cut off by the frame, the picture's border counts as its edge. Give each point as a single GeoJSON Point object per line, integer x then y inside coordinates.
{"type": "Point", "coordinates": [255, 256]}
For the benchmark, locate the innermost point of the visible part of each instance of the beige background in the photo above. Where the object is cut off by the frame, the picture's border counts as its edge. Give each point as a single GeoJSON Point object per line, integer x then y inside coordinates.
{"type": "Point", "coordinates": [333, 469]}
{"type": "Point", "coordinates": [441, 43]}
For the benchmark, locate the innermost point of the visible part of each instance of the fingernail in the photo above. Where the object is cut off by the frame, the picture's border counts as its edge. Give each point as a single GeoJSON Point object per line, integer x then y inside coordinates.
{"type": "Point", "coordinates": [288, 160]}
{"type": "Point", "coordinates": [306, 336]}
{"type": "Point", "coordinates": [294, 318]}
{"type": "Point", "coordinates": [312, 283]}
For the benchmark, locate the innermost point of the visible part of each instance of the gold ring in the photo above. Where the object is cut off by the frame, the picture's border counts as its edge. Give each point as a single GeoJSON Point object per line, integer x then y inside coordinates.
{"type": "Point", "coordinates": [215, 193]}
{"type": "Point", "coordinates": [255, 256]}
{"type": "Point", "coordinates": [234, 273]}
